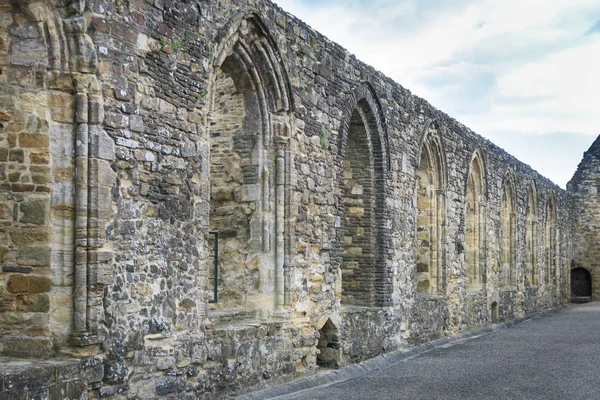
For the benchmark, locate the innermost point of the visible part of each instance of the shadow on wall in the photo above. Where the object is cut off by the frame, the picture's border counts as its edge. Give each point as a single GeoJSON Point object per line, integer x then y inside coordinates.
{"type": "Point", "coordinates": [581, 285]}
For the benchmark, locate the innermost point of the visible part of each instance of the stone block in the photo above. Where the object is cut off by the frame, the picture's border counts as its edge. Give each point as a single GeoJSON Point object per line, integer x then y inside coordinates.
{"type": "Point", "coordinates": [34, 212]}
{"type": "Point", "coordinates": [60, 391]}
{"type": "Point", "coordinates": [353, 251]}
{"type": "Point", "coordinates": [22, 187]}
{"type": "Point", "coordinates": [35, 140]}
{"type": "Point", "coordinates": [62, 107]}
{"type": "Point", "coordinates": [40, 179]}
{"type": "Point", "coordinates": [33, 303]}
{"type": "Point", "coordinates": [4, 154]}
{"type": "Point", "coordinates": [28, 347]}
{"type": "Point", "coordinates": [356, 211]}
{"type": "Point", "coordinates": [36, 125]}
{"type": "Point", "coordinates": [6, 115]}
{"type": "Point", "coordinates": [70, 371]}
{"type": "Point", "coordinates": [116, 120]}
{"type": "Point", "coordinates": [30, 377]}
{"type": "Point", "coordinates": [63, 174]}
{"type": "Point", "coordinates": [169, 384]}
{"type": "Point", "coordinates": [136, 123]}
{"type": "Point", "coordinates": [101, 173]}
{"type": "Point", "coordinates": [29, 52]}
{"type": "Point", "coordinates": [6, 212]}
{"type": "Point", "coordinates": [102, 146]}
{"type": "Point", "coordinates": [35, 256]}
{"type": "Point", "coordinates": [40, 169]}
{"type": "Point", "coordinates": [77, 390]}
{"type": "Point", "coordinates": [16, 155]}
{"type": "Point", "coordinates": [14, 176]}
{"type": "Point", "coordinates": [18, 283]}
{"type": "Point", "coordinates": [42, 189]}
{"type": "Point", "coordinates": [187, 305]}
{"type": "Point", "coordinates": [94, 370]}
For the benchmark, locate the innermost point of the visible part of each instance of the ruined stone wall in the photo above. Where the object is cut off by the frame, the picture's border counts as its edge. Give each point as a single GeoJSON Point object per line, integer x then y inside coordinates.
{"type": "Point", "coordinates": [36, 181]}
{"type": "Point", "coordinates": [166, 120]}
{"type": "Point", "coordinates": [584, 187]}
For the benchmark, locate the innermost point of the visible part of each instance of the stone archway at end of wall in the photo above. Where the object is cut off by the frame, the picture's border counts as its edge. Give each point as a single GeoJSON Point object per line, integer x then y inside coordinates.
{"type": "Point", "coordinates": [581, 285]}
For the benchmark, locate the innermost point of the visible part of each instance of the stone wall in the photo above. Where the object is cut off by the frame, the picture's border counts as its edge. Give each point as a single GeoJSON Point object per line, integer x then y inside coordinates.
{"type": "Point", "coordinates": [584, 187]}
{"type": "Point", "coordinates": [130, 130]}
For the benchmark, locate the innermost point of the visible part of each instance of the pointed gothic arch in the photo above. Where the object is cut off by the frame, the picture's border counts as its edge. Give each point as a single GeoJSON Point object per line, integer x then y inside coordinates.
{"type": "Point", "coordinates": [531, 235]}
{"type": "Point", "coordinates": [508, 229]}
{"type": "Point", "coordinates": [430, 191]}
{"type": "Point", "coordinates": [248, 38]}
{"type": "Point", "coordinates": [250, 105]}
{"type": "Point", "coordinates": [475, 205]}
{"type": "Point", "coordinates": [363, 161]}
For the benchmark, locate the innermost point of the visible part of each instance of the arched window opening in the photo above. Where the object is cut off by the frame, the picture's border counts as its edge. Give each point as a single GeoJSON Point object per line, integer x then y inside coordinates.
{"type": "Point", "coordinates": [508, 232]}
{"type": "Point", "coordinates": [551, 245]}
{"type": "Point", "coordinates": [358, 267]}
{"type": "Point", "coordinates": [474, 224]}
{"type": "Point", "coordinates": [361, 236]}
{"type": "Point", "coordinates": [248, 126]}
{"type": "Point", "coordinates": [531, 235]}
{"type": "Point", "coordinates": [430, 215]}
{"type": "Point", "coordinates": [235, 201]}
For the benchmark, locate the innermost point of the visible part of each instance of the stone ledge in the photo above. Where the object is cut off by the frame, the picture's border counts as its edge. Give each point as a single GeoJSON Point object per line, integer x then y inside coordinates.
{"type": "Point", "coordinates": [581, 299]}
{"type": "Point", "coordinates": [430, 297]}
{"type": "Point", "coordinates": [42, 379]}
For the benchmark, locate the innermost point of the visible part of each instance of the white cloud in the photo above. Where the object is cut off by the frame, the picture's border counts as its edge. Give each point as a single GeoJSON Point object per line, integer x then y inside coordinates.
{"type": "Point", "coordinates": [528, 66]}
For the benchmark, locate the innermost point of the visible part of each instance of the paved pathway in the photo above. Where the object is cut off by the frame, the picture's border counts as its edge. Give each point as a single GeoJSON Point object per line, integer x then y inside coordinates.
{"type": "Point", "coordinates": [556, 356]}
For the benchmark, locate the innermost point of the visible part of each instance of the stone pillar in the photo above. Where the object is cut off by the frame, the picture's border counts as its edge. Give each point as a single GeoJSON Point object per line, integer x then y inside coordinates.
{"type": "Point", "coordinates": [280, 166]}
{"type": "Point", "coordinates": [93, 176]}
{"type": "Point", "coordinates": [440, 238]}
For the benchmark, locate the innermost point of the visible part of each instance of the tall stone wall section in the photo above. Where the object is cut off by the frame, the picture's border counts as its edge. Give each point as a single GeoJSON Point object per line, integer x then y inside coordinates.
{"type": "Point", "coordinates": [584, 187]}
{"type": "Point", "coordinates": [109, 111]}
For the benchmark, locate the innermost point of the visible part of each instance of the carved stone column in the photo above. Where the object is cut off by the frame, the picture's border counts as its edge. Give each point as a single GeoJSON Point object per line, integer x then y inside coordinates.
{"type": "Point", "coordinates": [280, 200]}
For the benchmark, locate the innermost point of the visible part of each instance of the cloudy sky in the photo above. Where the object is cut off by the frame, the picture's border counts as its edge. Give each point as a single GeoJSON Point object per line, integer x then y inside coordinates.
{"type": "Point", "coordinates": [523, 73]}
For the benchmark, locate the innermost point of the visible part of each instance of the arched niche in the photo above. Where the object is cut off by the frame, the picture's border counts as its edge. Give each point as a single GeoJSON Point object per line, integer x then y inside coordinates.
{"type": "Point", "coordinates": [475, 206]}
{"type": "Point", "coordinates": [249, 126]}
{"type": "Point", "coordinates": [531, 235]}
{"type": "Point", "coordinates": [508, 228]}
{"type": "Point", "coordinates": [431, 212]}
{"type": "Point", "coordinates": [362, 167]}
{"type": "Point", "coordinates": [329, 350]}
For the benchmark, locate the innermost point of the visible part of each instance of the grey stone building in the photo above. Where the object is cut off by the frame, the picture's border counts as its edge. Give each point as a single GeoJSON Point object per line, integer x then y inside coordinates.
{"type": "Point", "coordinates": [203, 198]}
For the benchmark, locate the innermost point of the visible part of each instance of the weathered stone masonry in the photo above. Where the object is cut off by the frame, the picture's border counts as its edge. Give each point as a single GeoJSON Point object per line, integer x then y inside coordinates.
{"type": "Point", "coordinates": [353, 218]}
{"type": "Point", "coordinates": [584, 187]}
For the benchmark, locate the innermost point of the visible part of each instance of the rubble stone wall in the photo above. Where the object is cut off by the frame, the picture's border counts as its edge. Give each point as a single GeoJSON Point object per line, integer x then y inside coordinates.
{"type": "Point", "coordinates": [130, 130]}
{"type": "Point", "coordinates": [584, 186]}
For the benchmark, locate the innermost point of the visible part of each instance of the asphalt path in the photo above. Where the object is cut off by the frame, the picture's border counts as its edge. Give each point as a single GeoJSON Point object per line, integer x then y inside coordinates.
{"type": "Point", "coordinates": [556, 356]}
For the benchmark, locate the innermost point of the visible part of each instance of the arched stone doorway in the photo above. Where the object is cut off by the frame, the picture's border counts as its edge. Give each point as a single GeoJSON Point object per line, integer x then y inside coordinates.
{"type": "Point", "coordinates": [329, 354]}
{"type": "Point", "coordinates": [581, 285]}
{"type": "Point", "coordinates": [495, 312]}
